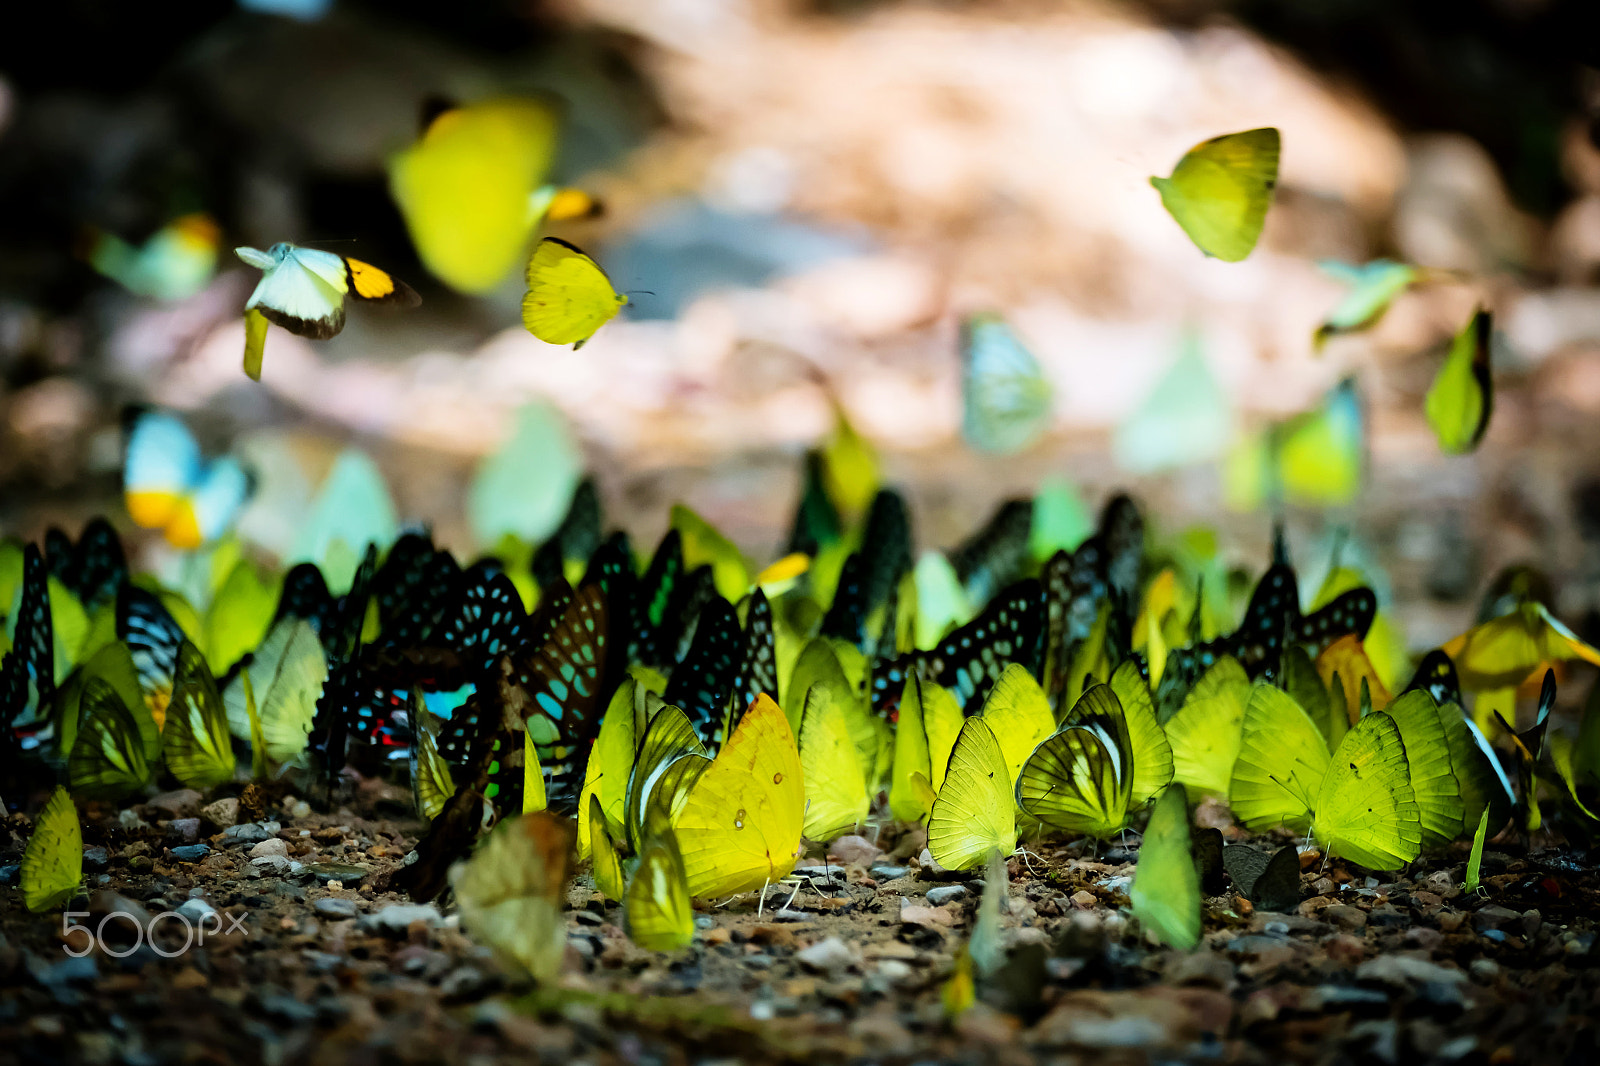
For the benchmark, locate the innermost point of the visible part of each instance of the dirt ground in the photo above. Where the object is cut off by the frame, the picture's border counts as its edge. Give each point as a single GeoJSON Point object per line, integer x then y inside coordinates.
{"type": "Point", "coordinates": [328, 966]}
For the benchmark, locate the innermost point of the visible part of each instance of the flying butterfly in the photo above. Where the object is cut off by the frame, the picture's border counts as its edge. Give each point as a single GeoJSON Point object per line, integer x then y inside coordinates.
{"type": "Point", "coordinates": [168, 486]}
{"type": "Point", "coordinates": [1220, 191]}
{"type": "Point", "coordinates": [1461, 398]}
{"type": "Point", "coordinates": [304, 289]}
{"type": "Point", "coordinates": [1374, 286]}
{"type": "Point", "coordinates": [569, 297]}
{"type": "Point", "coordinates": [1005, 397]}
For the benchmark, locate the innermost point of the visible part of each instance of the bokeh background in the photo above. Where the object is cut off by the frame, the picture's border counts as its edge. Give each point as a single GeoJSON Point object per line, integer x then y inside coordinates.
{"type": "Point", "coordinates": [804, 198]}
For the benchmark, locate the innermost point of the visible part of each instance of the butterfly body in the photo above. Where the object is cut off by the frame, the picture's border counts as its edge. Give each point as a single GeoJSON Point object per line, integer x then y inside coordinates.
{"type": "Point", "coordinates": [569, 297]}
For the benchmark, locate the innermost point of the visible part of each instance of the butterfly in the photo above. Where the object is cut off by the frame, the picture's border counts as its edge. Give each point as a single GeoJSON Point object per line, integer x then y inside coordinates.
{"type": "Point", "coordinates": [469, 187]}
{"type": "Point", "coordinates": [352, 511]}
{"type": "Point", "coordinates": [574, 540]}
{"type": "Point", "coordinates": [1005, 398]}
{"type": "Point", "coordinates": [657, 911]}
{"type": "Point", "coordinates": [1506, 650]}
{"type": "Point", "coordinates": [1271, 882]}
{"type": "Point", "coordinates": [1359, 802]}
{"type": "Point", "coordinates": [611, 764]}
{"type": "Point", "coordinates": [286, 678]}
{"type": "Point", "coordinates": [740, 827]}
{"type": "Point", "coordinates": [530, 482]}
{"type": "Point", "coordinates": [656, 606]}
{"type": "Point", "coordinates": [52, 863]}
{"type": "Point", "coordinates": [1438, 782]}
{"type": "Point", "coordinates": [174, 263]}
{"type": "Point", "coordinates": [1166, 887]}
{"type": "Point", "coordinates": [569, 297]}
{"type": "Point", "coordinates": [606, 864]}
{"type": "Point", "coordinates": [668, 738]}
{"type": "Point", "coordinates": [971, 659]}
{"type": "Point", "coordinates": [93, 568]}
{"type": "Point", "coordinates": [28, 674]}
{"type": "Point", "coordinates": [1374, 287]}
{"type": "Point", "coordinates": [1080, 779]}
{"type": "Point", "coordinates": [1019, 714]}
{"type": "Point", "coordinates": [1220, 191]}
{"type": "Point", "coordinates": [154, 637]}
{"type": "Point", "coordinates": [167, 486]}
{"type": "Point", "coordinates": [512, 891]}
{"type": "Point", "coordinates": [239, 615]}
{"type": "Point", "coordinates": [816, 524]}
{"type": "Point", "coordinates": [1186, 419]}
{"type": "Point", "coordinates": [1313, 459]}
{"type": "Point", "coordinates": [304, 289]}
{"type": "Point", "coordinates": [108, 757]}
{"type": "Point", "coordinates": [703, 682]}
{"type": "Point", "coordinates": [974, 813]}
{"type": "Point", "coordinates": [195, 741]}
{"type": "Point", "coordinates": [1461, 398]}
{"type": "Point", "coordinates": [431, 781]}
{"type": "Point", "coordinates": [1204, 733]}
{"type": "Point", "coordinates": [924, 734]}
{"type": "Point", "coordinates": [996, 555]}
{"type": "Point", "coordinates": [837, 793]}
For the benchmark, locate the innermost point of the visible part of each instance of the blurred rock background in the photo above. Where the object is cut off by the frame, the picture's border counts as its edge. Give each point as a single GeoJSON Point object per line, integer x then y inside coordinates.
{"type": "Point", "coordinates": [804, 199]}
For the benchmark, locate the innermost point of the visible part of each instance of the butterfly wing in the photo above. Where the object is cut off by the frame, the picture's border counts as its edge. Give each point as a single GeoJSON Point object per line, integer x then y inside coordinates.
{"type": "Point", "coordinates": [52, 863]}
{"type": "Point", "coordinates": [1006, 399]}
{"type": "Point", "coordinates": [1147, 741]}
{"type": "Point", "coordinates": [1220, 191]}
{"type": "Point", "coordinates": [512, 890]}
{"type": "Point", "coordinates": [836, 793]}
{"type": "Point", "coordinates": [569, 297]}
{"type": "Point", "coordinates": [1461, 398]}
{"type": "Point", "coordinates": [1282, 760]}
{"type": "Point", "coordinates": [657, 911]}
{"type": "Point", "coordinates": [108, 758]}
{"type": "Point", "coordinates": [366, 282]}
{"type": "Point", "coordinates": [1204, 734]}
{"type": "Point", "coordinates": [303, 291]}
{"type": "Point", "coordinates": [1079, 779]}
{"type": "Point", "coordinates": [1367, 811]}
{"type": "Point", "coordinates": [974, 813]}
{"type": "Point", "coordinates": [162, 465]}
{"type": "Point", "coordinates": [1166, 887]}
{"type": "Point", "coordinates": [1019, 715]}
{"type": "Point", "coordinates": [1434, 778]}
{"type": "Point", "coordinates": [195, 741]}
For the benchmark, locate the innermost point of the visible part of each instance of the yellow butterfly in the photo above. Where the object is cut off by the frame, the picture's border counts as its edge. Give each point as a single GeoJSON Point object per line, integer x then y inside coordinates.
{"type": "Point", "coordinates": [1166, 888]}
{"type": "Point", "coordinates": [52, 864]}
{"type": "Point", "coordinates": [569, 297]}
{"type": "Point", "coordinates": [108, 758]}
{"type": "Point", "coordinates": [669, 737]}
{"type": "Point", "coordinates": [512, 889]}
{"type": "Point", "coordinates": [926, 731]}
{"type": "Point", "coordinates": [606, 776]}
{"type": "Point", "coordinates": [1220, 191]}
{"type": "Point", "coordinates": [431, 783]}
{"type": "Point", "coordinates": [1204, 734]}
{"type": "Point", "coordinates": [837, 798]}
{"type": "Point", "coordinates": [607, 864]}
{"type": "Point", "coordinates": [974, 813]}
{"type": "Point", "coordinates": [657, 911]}
{"type": "Point", "coordinates": [740, 827]}
{"type": "Point", "coordinates": [1079, 780]}
{"type": "Point", "coordinates": [1461, 398]}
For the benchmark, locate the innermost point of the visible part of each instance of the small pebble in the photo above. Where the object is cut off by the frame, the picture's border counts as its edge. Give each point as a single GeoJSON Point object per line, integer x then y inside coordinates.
{"type": "Point", "coordinates": [95, 858]}
{"type": "Point", "coordinates": [300, 810]}
{"type": "Point", "coordinates": [273, 846]}
{"type": "Point", "coordinates": [336, 907]}
{"type": "Point", "coordinates": [184, 830]}
{"type": "Point", "coordinates": [943, 894]}
{"type": "Point", "coordinates": [191, 852]}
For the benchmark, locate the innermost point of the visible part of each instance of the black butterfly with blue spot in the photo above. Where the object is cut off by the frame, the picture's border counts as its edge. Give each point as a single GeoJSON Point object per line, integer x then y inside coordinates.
{"type": "Point", "coordinates": [154, 637]}
{"type": "Point", "coordinates": [970, 660]}
{"type": "Point", "coordinates": [27, 675]}
{"type": "Point", "coordinates": [846, 619]}
{"type": "Point", "coordinates": [651, 615]}
{"type": "Point", "coordinates": [759, 670]}
{"type": "Point", "coordinates": [703, 683]}
{"type": "Point", "coordinates": [93, 568]}
{"type": "Point", "coordinates": [816, 520]}
{"type": "Point", "coordinates": [997, 554]}
{"type": "Point", "coordinates": [576, 538]}
{"type": "Point", "coordinates": [1436, 675]}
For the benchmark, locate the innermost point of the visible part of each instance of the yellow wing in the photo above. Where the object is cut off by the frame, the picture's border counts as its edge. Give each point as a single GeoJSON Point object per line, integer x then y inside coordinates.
{"type": "Point", "coordinates": [974, 813]}
{"type": "Point", "coordinates": [1282, 761]}
{"type": "Point", "coordinates": [1018, 713]}
{"type": "Point", "coordinates": [512, 888]}
{"type": "Point", "coordinates": [657, 911]}
{"type": "Point", "coordinates": [569, 296]}
{"type": "Point", "coordinates": [836, 793]}
{"type": "Point", "coordinates": [607, 865]}
{"type": "Point", "coordinates": [1220, 191]}
{"type": "Point", "coordinates": [1204, 734]}
{"type": "Point", "coordinates": [52, 864]}
{"type": "Point", "coordinates": [740, 827]}
{"type": "Point", "coordinates": [1367, 811]}
{"type": "Point", "coordinates": [1080, 779]}
{"type": "Point", "coordinates": [606, 776]}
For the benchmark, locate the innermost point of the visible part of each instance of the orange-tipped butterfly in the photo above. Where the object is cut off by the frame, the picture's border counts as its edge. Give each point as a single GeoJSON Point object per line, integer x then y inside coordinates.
{"type": "Point", "coordinates": [168, 486]}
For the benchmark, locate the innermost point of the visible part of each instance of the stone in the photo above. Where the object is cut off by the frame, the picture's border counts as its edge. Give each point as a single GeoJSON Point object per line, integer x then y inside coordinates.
{"type": "Point", "coordinates": [465, 981]}
{"type": "Point", "coordinates": [336, 908]}
{"type": "Point", "coordinates": [10, 873]}
{"type": "Point", "coordinates": [275, 865]}
{"type": "Point", "coordinates": [1345, 916]}
{"type": "Point", "coordinates": [894, 970]}
{"type": "Point", "coordinates": [1495, 917]}
{"type": "Point", "coordinates": [95, 858]}
{"type": "Point", "coordinates": [201, 913]}
{"type": "Point", "coordinates": [396, 918]}
{"type": "Point", "coordinates": [1084, 900]}
{"type": "Point", "coordinates": [300, 811]}
{"type": "Point", "coordinates": [272, 846]}
{"type": "Point", "coordinates": [830, 956]}
{"type": "Point", "coordinates": [191, 852]}
{"type": "Point", "coordinates": [179, 803]}
{"type": "Point", "coordinates": [889, 873]}
{"type": "Point", "coordinates": [335, 871]}
{"type": "Point", "coordinates": [1388, 916]}
{"type": "Point", "coordinates": [1403, 971]}
{"type": "Point", "coordinates": [938, 897]}
{"type": "Point", "coordinates": [852, 850]}
{"type": "Point", "coordinates": [786, 915]}
{"type": "Point", "coordinates": [288, 891]}
{"type": "Point", "coordinates": [184, 830]}
{"type": "Point", "coordinates": [1484, 971]}
{"type": "Point", "coordinates": [222, 813]}
{"type": "Point", "coordinates": [249, 832]}
{"type": "Point", "coordinates": [1201, 968]}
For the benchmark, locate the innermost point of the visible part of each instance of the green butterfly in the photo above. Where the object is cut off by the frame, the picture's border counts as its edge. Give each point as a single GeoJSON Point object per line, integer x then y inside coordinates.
{"type": "Point", "coordinates": [194, 739]}
{"type": "Point", "coordinates": [108, 758]}
{"type": "Point", "coordinates": [1374, 287]}
{"type": "Point", "coordinates": [1220, 191]}
{"type": "Point", "coordinates": [1166, 886]}
{"type": "Point", "coordinates": [1005, 398]}
{"type": "Point", "coordinates": [52, 864]}
{"type": "Point", "coordinates": [431, 784]}
{"type": "Point", "coordinates": [286, 677]}
{"type": "Point", "coordinates": [1359, 803]}
{"type": "Point", "coordinates": [1461, 398]}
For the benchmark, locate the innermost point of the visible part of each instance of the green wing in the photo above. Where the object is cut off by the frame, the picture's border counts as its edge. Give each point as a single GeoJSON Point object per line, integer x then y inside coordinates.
{"type": "Point", "coordinates": [431, 783]}
{"type": "Point", "coordinates": [287, 676]}
{"type": "Point", "coordinates": [52, 864]}
{"type": "Point", "coordinates": [107, 760]}
{"type": "Point", "coordinates": [1220, 191]}
{"type": "Point", "coordinates": [669, 736]}
{"type": "Point", "coordinates": [1434, 778]}
{"type": "Point", "coordinates": [1166, 887]}
{"type": "Point", "coordinates": [1147, 741]}
{"type": "Point", "coordinates": [657, 911]}
{"type": "Point", "coordinates": [1305, 687]}
{"type": "Point", "coordinates": [973, 814]}
{"type": "Point", "coordinates": [1461, 398]}
{"type": "Point", "coordinates": [1080, 779]}
{"type": "Point", "coordinates": [1019, 714]}
{"type": "Point", "coordinates": [1367, 811]}
{"type": "Point", "coordinates": [1475, 857]}
{"type": "Point", "coordinates": [194, 740]}
{"type": "Point", "coordinates": [1283, 759]}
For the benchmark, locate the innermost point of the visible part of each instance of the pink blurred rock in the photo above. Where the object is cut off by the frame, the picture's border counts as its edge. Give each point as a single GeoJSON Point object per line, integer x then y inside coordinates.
{"type": "Point", "coordinates": [850, 850]}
